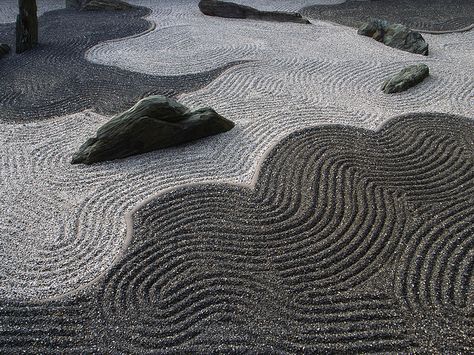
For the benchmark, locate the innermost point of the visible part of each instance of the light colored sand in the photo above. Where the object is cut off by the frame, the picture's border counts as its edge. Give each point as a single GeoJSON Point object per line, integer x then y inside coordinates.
{"type": "Point", "coordinates": [62, 225]}
{"type": "Point", "coordinates": [9, 8]}
{"type": "Point", "coordinates": [285, 5]}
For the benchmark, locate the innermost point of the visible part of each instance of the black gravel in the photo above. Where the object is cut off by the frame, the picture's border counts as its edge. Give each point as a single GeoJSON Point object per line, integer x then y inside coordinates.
{"type": "Point", "coordinates": [424, 15]}
{"type": "Point", "coordinates": [352, 241]}
{"type": "Point", "coordinates": [55, 79]}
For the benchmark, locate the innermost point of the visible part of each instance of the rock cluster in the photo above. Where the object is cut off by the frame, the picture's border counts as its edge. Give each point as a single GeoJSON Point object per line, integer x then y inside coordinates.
{"type": "Point", "coordinates": [405, 79]}
{"type": "Point", "coordinates": [233, 10]}
{"type": "Point", "coordinates": [4, 49]}
{"type": "Point", "coordinates": [395, 35]}
{"type": "Point", "coordinates": [154, 122]}
{"type": "Point", "coordinates": [97, 4]}
{"type": "Point", "coordinates": [26, 26]}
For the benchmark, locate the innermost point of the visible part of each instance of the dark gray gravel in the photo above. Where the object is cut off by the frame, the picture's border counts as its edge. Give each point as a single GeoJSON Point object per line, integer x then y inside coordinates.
{"type": "Point", "coordinates": [351, 241]}
{"type": "Point", "coordinates": [425, 15]}
{"type": "Point", "coordinates": [55, 79]}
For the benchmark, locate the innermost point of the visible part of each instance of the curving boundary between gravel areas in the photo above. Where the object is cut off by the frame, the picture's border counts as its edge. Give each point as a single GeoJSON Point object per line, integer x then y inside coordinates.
{"type": "Point", "coordinates": [55, 79]}
{"type": "Point", "coordinates": [9, 8]}
{"type": "Point", "coordinates": [348, 240]}
{"type": "Point", "coordinates": [417, 14]}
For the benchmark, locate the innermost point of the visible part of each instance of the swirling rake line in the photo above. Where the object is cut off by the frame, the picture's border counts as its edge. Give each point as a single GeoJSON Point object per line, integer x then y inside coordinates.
{"type": "Point", "coordinates": [350, 240]}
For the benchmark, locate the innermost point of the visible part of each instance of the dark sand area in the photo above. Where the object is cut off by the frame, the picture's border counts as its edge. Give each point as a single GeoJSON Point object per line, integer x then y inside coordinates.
{"type": "Point", "coordinates": [351, 240]}
{"type": "Point", "coordinates": [55, 79]}
{"type": "Point", "coordinates": [424, 15]}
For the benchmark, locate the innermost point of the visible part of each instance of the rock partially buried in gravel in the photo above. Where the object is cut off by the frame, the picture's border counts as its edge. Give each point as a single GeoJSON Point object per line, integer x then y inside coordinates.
{"type": "Point", "coordinates": [94, 5]}
{"type": "Point", "coordinates": [4, 49]}
{"type": "Point", "coordinates": [408, 77]}
{"type": "Point", "coordinates": [26, 26]}
{"type": "Point", "coordinates": [155, 122]}
{"type": "Point", "coordinates": [395, 36]}
{"type": "Point", "coordinates": [233, 10]}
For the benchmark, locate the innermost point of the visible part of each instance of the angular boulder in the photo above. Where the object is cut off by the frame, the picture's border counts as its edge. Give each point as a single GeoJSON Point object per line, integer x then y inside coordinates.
{"type": "Point", "coordinates": [97, 5]}
{"type": "Point", "coordinates": [26, 26]}
{"type": "Point", "coordinates": [405, 79]}
{"type": "Point", "coordinates": [155, 122]}
{"type": "Point", "coordinates": [233, 10]}
{"type": "Point", "coordinates": [4, 49]}
{"type": "Point", "coordinates": [395, 36]}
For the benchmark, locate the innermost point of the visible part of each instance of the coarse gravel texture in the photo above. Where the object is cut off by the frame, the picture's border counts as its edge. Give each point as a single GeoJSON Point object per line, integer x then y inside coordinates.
{"type": "Point", "coordinates": [347, 240]}
{"type": "Point", "coordinates": [64, 225]}
{"type": "Point", "coordinates": [55, 79]}
{"type": "Point", "coordinates": [421, 15]}
{"type": "Point", "coordinates": [9, 8]}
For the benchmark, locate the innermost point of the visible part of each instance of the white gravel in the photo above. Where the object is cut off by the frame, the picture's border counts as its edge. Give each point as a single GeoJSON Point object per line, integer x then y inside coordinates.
{"type": "Point", "coordinates": [9, 8]}
{"type": "Point", "coordinates": [285, 5]}
{"type": "Point", "coordinates": [62, 225]}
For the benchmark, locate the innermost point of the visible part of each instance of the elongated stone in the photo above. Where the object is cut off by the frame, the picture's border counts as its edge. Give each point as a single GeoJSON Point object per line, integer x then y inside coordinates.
{"type": "Point", "coordinates": [405, 79]}
{"type": "Point", "coordinates": [154, 122]}
{"type": "Point", "coordinates": [233, 10]}
{"type": "Point", "coordinates": [26, 26]}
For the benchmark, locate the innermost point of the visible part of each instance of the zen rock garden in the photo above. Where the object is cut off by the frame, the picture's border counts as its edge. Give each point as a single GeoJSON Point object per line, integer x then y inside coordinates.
{"type": "Point", "coordinates": [236, 177]}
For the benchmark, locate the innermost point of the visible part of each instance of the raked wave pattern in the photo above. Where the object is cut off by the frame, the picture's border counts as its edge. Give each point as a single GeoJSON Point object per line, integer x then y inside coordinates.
{"type": "Point", "coordinates": [63, 226]}
{"type": "Point", "coordinates": [9, 8]}
{"type": "Point", "coordinates": [348, 240]}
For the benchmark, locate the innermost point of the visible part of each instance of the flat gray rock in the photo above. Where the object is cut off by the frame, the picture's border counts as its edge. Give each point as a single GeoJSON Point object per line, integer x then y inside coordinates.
{"type": "Point", "coordinates": [155, 122]}
{"type": "Point", "coordinates": [405, 79]}
{"type": "Point", "coordinates": [233, 10]}
{"type": "Point", "coordinates": [395, 35]}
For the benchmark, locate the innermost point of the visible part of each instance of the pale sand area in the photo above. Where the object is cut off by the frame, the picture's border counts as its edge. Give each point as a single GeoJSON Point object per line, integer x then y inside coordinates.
{"type": "Point", "coordinates": [62, 225]}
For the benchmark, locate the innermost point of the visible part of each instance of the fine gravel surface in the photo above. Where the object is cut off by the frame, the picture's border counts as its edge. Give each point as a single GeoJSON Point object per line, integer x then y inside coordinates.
{"type": "Point", "coordinates": [9, 8]}
{"type": "Point", "coordinates": [55, 79]}
{"type": "Point", "coordinates": [284, 5]}
{"type": "Point", "coordinates": [62, 226]}
{"type": "Point", "coordinates": [347, 240]}
{"type": "Point", "coordinates": [421, 15]}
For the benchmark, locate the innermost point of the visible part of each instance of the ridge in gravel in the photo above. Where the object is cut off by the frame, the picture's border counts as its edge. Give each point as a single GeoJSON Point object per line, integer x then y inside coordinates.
{"type": "Point", "coordinates": [55, 79]}
{"type": "Point", "coordinates": [420, 15]}
{"type": "Point", "coordinates": [348, 240]}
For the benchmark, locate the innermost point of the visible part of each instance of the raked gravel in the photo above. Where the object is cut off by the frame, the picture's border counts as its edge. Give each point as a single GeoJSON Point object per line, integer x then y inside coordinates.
{"type": "Point", "coordinates": [61, 226]}
{"type": "Point", "coordinates": [9, 8]}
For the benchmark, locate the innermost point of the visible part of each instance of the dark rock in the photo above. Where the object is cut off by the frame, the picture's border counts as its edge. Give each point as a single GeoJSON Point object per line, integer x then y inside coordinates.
{"type": "Point", "coordinates": [4, 49]}
{"type": "Point", "coordinates": [395, 35]}
{"type": "Point", "coordinates": [408, 77]}
{"type": "Point", "coordinates": [154, 122]}
{"type": "Point", "coordinates": [95, 5]}
{"type": "Point", "coordinates": [233, 10]}
{"type": "Point", "coordinates": [26, 26]}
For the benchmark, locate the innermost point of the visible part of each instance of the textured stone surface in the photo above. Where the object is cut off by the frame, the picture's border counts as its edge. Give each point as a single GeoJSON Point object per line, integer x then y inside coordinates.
{"type": "Point", "coordinates": [233, 10]}
{"type": "Point", "coordinates": [26, 26]}
{"type": "Point", "coordinates": [154, 122]}
{"type": "Point", "coordinates": [4, 49]}
{"type": "Point", "coordinates": [395, 36]}
{"type": "Point", "coordinates": [405, 79]}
